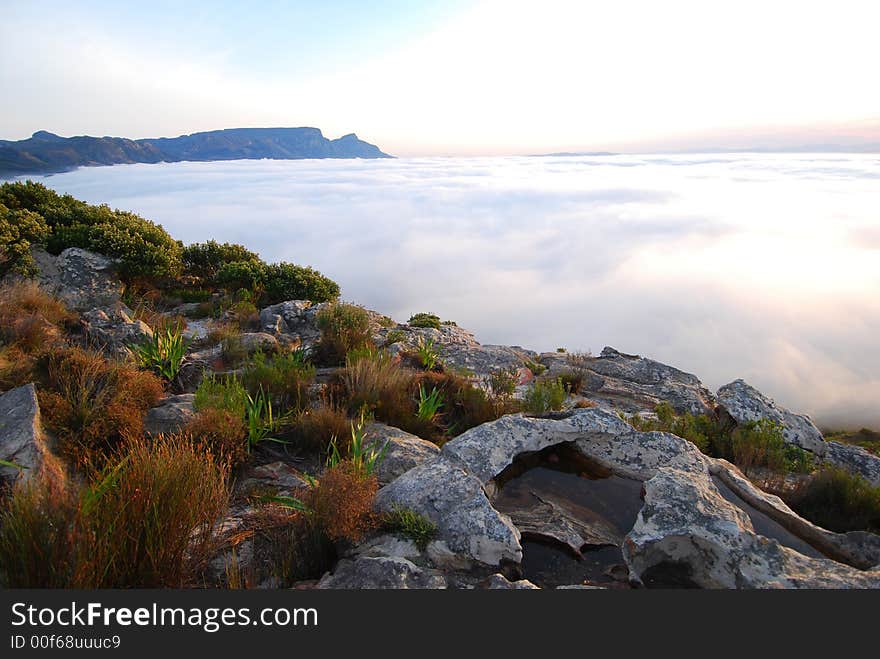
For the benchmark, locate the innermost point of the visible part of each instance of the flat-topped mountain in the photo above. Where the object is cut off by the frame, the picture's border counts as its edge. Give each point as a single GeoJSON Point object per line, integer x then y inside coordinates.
{"type": "Point", "coordinates": [46, 152]}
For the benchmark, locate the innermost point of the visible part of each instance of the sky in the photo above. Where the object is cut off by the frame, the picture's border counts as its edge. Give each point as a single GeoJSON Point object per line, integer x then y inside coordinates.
{"type": "Point", "coordinates": [451, 77]}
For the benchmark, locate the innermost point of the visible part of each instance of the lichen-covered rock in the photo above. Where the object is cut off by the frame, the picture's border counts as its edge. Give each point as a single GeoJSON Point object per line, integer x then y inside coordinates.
{"type": "Point", "coordinates": [293, 318]}
{"type": "Point", "coordinates": [113, 329]}
{"type": "Point", "coordinates": [855, 460]}
{"type": "Point", "coordinates": [277, 478]}
{"type": "Point", "coordinates": [455, 501]}
{"type": "Point", "coordinates": [170, 415]}
{"type": "Point", "coordinates": [81, 279]}
{"type": "Point", "coordinates": [253, 342]}
{"type": "Point", "coordinates": [21, 436]}
{"type": "Point", "coordinates": [372, 573]}
{"type": "Point", "coordinates": [404, 451]}
{"type": "Point", "coordinates": [500, 582]}
{"type": "Point", "coordinates": [745, 403]}
{"type": "Point", "coordinates": [633, 383]}
{"type": "Point", "coordinates": [459, 349]}
{"type": "Point", "coordinates": [687, 532]}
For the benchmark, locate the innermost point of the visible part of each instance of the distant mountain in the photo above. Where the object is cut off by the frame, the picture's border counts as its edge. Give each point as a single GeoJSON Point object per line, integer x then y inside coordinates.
{"type": "Point", "coordinates": [46, 152]}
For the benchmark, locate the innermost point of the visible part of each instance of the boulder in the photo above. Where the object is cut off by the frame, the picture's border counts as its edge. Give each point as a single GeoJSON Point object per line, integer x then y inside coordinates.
{"type": "Point", "coordinates": [113, 330]}
{"type": "Point", "coordinates": [745, 403]}
{"type": "Point", "coordinates": [170, 415]}
{"type": "Point", "coordinates": [374, 573]}
{"type": "Point", "coordinates": [21, 436]}
{"type": "Point", "coordinates": [855, 460]}
{"type": "Point", "coordinates": [459, 349]}
{"type": "Point", "coordinates": [279, 477]}
{"type": "Point", "coordinates": [294, 318]}
{"type": "Point", "coordinates": [255, 341]}
{"type": "Point", "coordinates": [633, 383]}
{"type": "Point", "coordinates": [81, 279]}
{"type": "Point", "coordinates": [499, 582]}
{"type": "Point", "coordinates": [687, 534]}
{"type": "Point", "coordinates": [404, 451]}
{"type": "Point", "coordinates": [454, 500]}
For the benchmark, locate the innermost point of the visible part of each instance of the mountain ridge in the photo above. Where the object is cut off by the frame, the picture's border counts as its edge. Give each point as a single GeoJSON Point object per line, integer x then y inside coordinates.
{"type": "Point", "coordinates": [46, 152]}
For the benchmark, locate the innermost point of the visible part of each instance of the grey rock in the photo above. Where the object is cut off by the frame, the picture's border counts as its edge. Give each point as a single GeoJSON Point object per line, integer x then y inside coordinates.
{"type": "Point", "coordinates": [390, 546]}
{"type": "Point", "coordinates": [454, 499]}
{"type": "Point", "coordinates": [745, 403]}
{"type": "Point", "coordinates": [499, 582]}
{"type": "Point", "coordinates": [404, 451]}
{"type": "Point", "coordinates": [21, 437]}
{"type": "Point", "coordinates": [255, 341]}
{"type": "Point", "coordinates": [374, 573]}
{"type": "Point", "coordinates": [170, 415]}
{"type": "Point", "coordinates": [855, 460]}
{"type": "Point", "coordinates": [113, 330]}
{"type": "Point", "coordinates": [633, 383]}
{"type": "Point", "coordinates": [298, 318]}
{"type": "Point", "coordinates": [81, 279]}
{"type": "Point", "coordinates": [279, 476]}
{"type": "Point", "coordinates": [687, 526]}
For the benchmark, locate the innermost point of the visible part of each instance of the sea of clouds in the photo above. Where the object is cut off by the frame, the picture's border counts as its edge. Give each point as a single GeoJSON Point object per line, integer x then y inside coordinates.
{"type": "Point", "coordinates": [764, 267]}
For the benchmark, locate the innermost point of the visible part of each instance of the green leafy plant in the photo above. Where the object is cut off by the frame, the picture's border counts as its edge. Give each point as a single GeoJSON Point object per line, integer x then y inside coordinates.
{"type": "Point", "coordinates": [163, 353]}
{"type": "Point", "coordinates": [394, 336]}
{"type": "Point", "coordinates": [411, 524]}
{"type": "Point", "coordinates": [837, 500]}
{"type": "Point", "coordinates": [363, 457]}
{"type": "Point", "coordinates": [537, 368]}
{"type": "Point", "coordinates": [261, 421]}
{"type": "Point", "coordinates": [344, 327]}
{"type": "Point", "coordinates": [427, 320]}
{"type": "Point", "coordinates": [429, 404]}
{"type": "Point", "coordinates": [7, 463]}
{"type": "Point", "coordinates": [428, 354]}
{"type": "Point", "coordinates": [287, 375]}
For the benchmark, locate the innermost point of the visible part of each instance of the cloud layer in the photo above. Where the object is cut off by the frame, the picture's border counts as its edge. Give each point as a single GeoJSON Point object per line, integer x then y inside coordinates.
{"type": "Point", "coordinates": [761, 267]}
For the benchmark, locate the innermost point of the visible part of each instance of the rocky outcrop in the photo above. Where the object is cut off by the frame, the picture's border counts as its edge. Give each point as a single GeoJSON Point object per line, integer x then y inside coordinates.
{"type": "Point", "coordinates": [277, 477]}
{"type": "Point", "coordinates": [170, 415]}
{"type": "Point", "coordinates": [632, 383]}
{"type": "Point", "coordinates": [22, 441]}
{"type": "Point", "coordinates": [745, 403]}
{"type": "Point", "coordinates": [296, 320]}
{"type": "Point", "coordinates": [384, 572]}
{"type": "Point", "coordinates": [81, 279]}
{"type": "Point", "coordinates": [686, 533]}
{"type": "Point", "coordinates": [459, 349]}
{"type": "Point", "coordinates": [404, 451]}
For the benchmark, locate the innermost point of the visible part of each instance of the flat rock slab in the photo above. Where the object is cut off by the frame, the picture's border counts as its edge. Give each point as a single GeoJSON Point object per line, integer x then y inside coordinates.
{"type": "Point", "coordinates": [372, 573]}
{"type": "Point", "coordinates": [404, 451]}
{"type": "Point", "coordinates": [170, 415]}
{"type": "Point", "coordinates": [21, 435]}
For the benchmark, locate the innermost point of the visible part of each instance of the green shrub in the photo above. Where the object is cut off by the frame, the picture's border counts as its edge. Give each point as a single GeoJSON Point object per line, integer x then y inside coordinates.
{"type": "Point", "coordinates": [394, 336]}
{"type": "Point", "coordinates": [544, 396]}
{"type": "Point", "coordinates": [221, 393]}
{"type": "Point", "coordinates": [287, 376]}
{"type": "Point", "coordinates": [144, 249]}
{"type": "Point", "coordinates": [503, 381]}
{"type": "Point", "coordinates": [18, 230]}
{"type": "Point", "coordinates": [286, 281]}
{"type": "Point", "coordinates": [537, 368]}
{"type": "Point", "coordinates": [428, 354]}
{"type": "Point", "coordinates": [411, 524]}
{"type": "Point", "coordinates": [237, 275]}
{"type": "Point", "coordinates": [344, 328]}
{"type": "Point", "coordinates": [760, 444]}
{"type": "Point", "coordinates": [315, 429]}
{"type": "Point", "coordinates": [424, 320]}
{"type": "Point", "coordinates": [695, 429]}
{"type": "Point", "coordinates": [204, 260]}
{"type": "Point", "coordinates": [838, 501]}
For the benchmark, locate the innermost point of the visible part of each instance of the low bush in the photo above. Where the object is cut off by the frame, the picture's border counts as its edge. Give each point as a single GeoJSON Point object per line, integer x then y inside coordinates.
{"type": "Point", "coordinates": [315, 429]}
{"type": "Point", "coordinates": [145, 522]}
{"type": "Point", "coordinates": [286, 281]}
{"type": "Point", "coordinates": [204, 260]}
{"type": "Point", "coordinates": [219, 432]}
{"type": "Point", "coordinates": [292, 546]}
{"type": "Point", "coordinates": [424, 320]}
{"type": "Point", "coordinates": [411, 524]}
{"type": "Point", "coordinates": [19, 229]}
{"type": "Point", "coordinates": [287, 376]}
{"type": "Point", "coordinates": [241, 275]}
{"type": "Point", "coordinates": [344, 328]}
{"type": "Point", "coordinates": [544, 396]}
{"type": "Point", "coordinates": [30, 319]}
{"type": "Point", "coordinates": [221, 393]}
{"type": "Point", "coordinates": [838, 501]}
{"type": "Point", "coordinates": [695, 429]}
{"type": "Point", "coordinates": [502, 382]}
{"type": "Point", "coordinates": [92, 403]}
{"type": "Point", "coordinates": [537, 368]}
{"type": "Point", "coordinates": [378, 385]}
{"type": "Point", "coordinates": [761, 444]}
{"type": "Point", "coordinates": [342, 502]}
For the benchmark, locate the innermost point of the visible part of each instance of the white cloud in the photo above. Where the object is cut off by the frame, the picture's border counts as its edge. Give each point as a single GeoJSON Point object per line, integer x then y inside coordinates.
{"type": "Point", "coordinates": [724, 266]}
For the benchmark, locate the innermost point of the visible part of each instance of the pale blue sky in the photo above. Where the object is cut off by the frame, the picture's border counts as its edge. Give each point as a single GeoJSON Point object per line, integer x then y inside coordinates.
{"type": "Point", "coordinates": [451, 77]}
